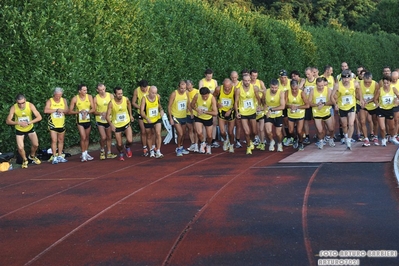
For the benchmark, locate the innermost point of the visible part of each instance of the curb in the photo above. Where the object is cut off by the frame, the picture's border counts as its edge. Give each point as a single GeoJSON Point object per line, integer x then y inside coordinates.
{"type": "Point", "coordinates": [396, 166]}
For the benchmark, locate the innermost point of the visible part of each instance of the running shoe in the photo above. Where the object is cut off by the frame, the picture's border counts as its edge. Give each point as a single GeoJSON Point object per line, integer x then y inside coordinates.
{"type": "Point", "coordinates": [208, 149]}
{"type": "Point", "coordinates": [61, 159]}
{"type": "Point", "coordinates": [301, 147]}
{"type": "Point", "coordinates": [84, 157]}
{"type": "Point", "coordinates": [251, 145]}
{"type": "Point", "coordinates": [249, 151]}
{"type": "Point", "coordinates": [88, 157]}
{"type": "Point", "coordinates": [145, 151]}
{"type": "Point", "coordinates": [271, 145]}
{"type": "Point", "coordinates": [320, 144]}
{"type": "Point", "coordinates": [196, 147]}
{"type": "Point", "coordinates": [192, 147]}
{"type": "Point", "coordinates": [394, 141]}
{"type": "Point", "coordinates": [288, 142]}
{"type": "Point", "coordinates": [349, 144]}
{"type": "Point", "coordinates": [158, 154]}
{"type": "Point", "coordinates": [285, 139]}
{"type": "Point", "coordinates": [366, 143]}
{"type": "Point", "coordinates": [238, 145]}
{"type": "Point", "coordinates": [256, 141]}
{"type": "Point", "coordinates": [331, 142]}
{"type": "Point", "coordinates": [184, 151]}
{"type": "Point", "coordinates": [280, 147]}
{"type": "Point", "coordinates": [202, 148]}
{"type": "Point", "coordinates": [152, 154]}
{"type": "Point", "coordinates": [384, 142]}
{"type": "Point", "coordinates": [102, 155]}
{"type": "Point", "coordinates": [179, 152]}
{"type": "Point", "coordinates": [226, 145]}
{"type": "Point", "coordinates": [55, 160]}
{"type": "Point", "coordinates": [121, 157]}
{"type": "Point", "coordinates": [128, 152]}
{"type": "Point", "coordinates": [111, 155]}
{"type": "Point", "coordinates": [215, 144]}
{"type": "Point", "coordinates": [343, 141]}
{"type": "Point", "coordinates": [306, 141]}
{"type": "Point", "coordinates": [295, 144]}
{"type": "Point", "coordinates": [261, 146]}
{"type": "Point", "coordinates": [35, 160]}
{"type": "Point", "coordinates": [24, 164]}
{"type": "Point", "coordinates": [375, 141]}
{"type": "Point", "coordinates": [231, 148]}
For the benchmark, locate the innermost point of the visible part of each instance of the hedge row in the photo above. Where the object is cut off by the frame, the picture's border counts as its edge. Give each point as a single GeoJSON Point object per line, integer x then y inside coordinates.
{"type": "Point", "coordinates": [119, 42]}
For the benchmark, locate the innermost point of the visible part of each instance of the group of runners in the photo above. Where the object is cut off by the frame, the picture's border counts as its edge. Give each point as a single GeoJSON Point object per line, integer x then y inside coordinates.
{"type": "Point", "coordinates": [277, 115]}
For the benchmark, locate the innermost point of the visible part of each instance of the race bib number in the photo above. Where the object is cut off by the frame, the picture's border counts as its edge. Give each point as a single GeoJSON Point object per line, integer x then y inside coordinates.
{"type": "Point", "coordinates": [226, 102]}
{"type": "Point", "coordinates": [307, 90]}
{"type": "Point", "coordinates": [153, 112]}
{"type": "Point", "coordinates": [368, 97]}
{"type": "Point", "coordinates": [87, 117]}
{"type": "Point", "coordinates": [121, 117]}
{"type": "Point", "coordinates": [387, 100]}
{"type": "Point", "coordinates": [203, 109]}
{"type": "Point", "coordinates": [23, 119]}
{"type": "Point", "coordinates": [182, 105]}
{"type": "Point", "coordinates": [347, 100]}
{"type": "Point", "coordinates": [57, 115]}
{"type": "Point", "coordinates": [321, 100]}
{"type": "Point", "coordinates": [248, 104]}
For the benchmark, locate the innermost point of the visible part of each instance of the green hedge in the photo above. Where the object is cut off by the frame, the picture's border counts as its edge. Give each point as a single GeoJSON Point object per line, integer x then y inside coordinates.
{"type": "Point", "coordinates": [116, 42]}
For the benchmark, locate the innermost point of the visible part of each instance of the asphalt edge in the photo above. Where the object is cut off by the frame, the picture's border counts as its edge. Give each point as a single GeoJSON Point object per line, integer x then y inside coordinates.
{"type": "Point", "coordinates": [396, 166]}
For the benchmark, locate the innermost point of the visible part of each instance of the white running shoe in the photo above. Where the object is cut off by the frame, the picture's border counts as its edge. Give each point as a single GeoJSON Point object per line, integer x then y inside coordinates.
{"type": "Point", "coordinates": [61, 159]}
{"type": "Point", "coordinates": [349, 144]}
{"type": "Point", "coordinates": [280, 147]}
{"type": "Point", "coordinates": [84, 157]}
{"type": "Point", "coordinates": [152, 154]}
{"type": "Point", "coordinates": [226, 145]}
{"type": "Point", "coordinates": [196, 147]}
{"type": "Point", "coordinates": [331, 142]}
{"type": "Point", "coordinates": [158, 154]}
{"type": "Point", "coordinates": [89, 158]}
{"type": "Point", "coordinates": [384, 142]}
{"type": "Point", "coordinates": [55, 160]}
{"type": "Point", "coordinates": [202, 147]}
{"type": "Point", "coordinates": [271, 145]}
{"type": "Point", "coordinates": [394, 141]}
{"type": "Point", "coordinates": [208, 149]}
{"type": "Point", "coordinates": [231, 148]}
{"type": "Point", "coordinates": [192, 147]}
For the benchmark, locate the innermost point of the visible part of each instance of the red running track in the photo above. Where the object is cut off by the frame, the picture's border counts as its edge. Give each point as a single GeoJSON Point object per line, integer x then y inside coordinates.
{"type": "Point", "coordinates": [219, 209]}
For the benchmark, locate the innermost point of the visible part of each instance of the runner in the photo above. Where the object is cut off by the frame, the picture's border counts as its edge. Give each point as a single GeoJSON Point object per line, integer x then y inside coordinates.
{"type": "Point", "coordinates": [21, 116]}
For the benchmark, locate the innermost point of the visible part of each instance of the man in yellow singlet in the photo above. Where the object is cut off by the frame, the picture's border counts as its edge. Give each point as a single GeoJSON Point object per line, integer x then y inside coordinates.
{"type": "Point", "coordinates": [119, 116]}
{"type": "Point", "coordinates": [204, 104]}
{"type": "Point", "coordinates": [346, 92]}
{"type": "Point", "coordinates": [56, 108]}
{"type": "Point", "coordinates": [226, 114]}
{"type": "Point", "coordinates": [138, 94]}
{"type": "Point", "coordinates": [101, 101]}
{"type": "Point", "coordinates": [190, 118]}
{"type": "Point", "coordinates": [151, 111]}
{"type": "Point", "coordinates": [211, 83]}
{"type": "Point", "coordinates": [179, 101]}
{"type": "Point", "coordinates": [320, 101]}
{"type": "Point", "coordinates": [384, 98]}
{"type": "Point", "coordinates": [21, 116]}
{"type": "Point", "coordinates": [274, 106]}
{"type": "Point", "coordinates": [246, 103]}
{"type": "Point", "coordinates": [82, 106]}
